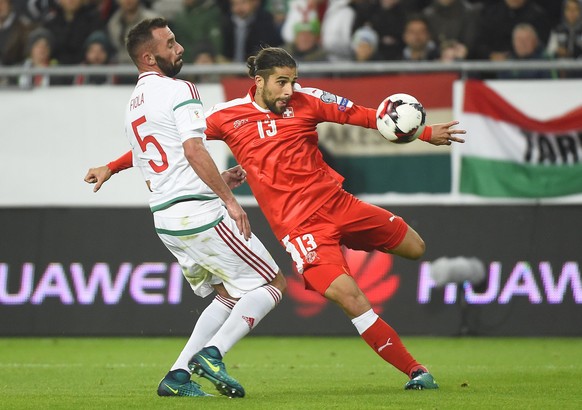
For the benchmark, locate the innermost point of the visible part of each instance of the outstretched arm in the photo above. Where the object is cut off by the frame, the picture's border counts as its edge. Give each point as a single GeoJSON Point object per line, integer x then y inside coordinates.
{"type": "Point", "coordinates": [101, 174]}
{"type": "Point", "coordinates": [443, 134]}
{"type": "Point", "coordinates": [98, 176]}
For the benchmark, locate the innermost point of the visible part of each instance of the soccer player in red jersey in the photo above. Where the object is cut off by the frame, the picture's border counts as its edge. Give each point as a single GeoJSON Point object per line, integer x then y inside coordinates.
{"type": "Point", "coordinates": [272, 134]}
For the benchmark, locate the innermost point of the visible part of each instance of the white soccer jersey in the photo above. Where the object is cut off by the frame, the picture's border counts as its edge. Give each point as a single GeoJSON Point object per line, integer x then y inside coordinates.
{"type": "Point", "coordinates": [163, 113]}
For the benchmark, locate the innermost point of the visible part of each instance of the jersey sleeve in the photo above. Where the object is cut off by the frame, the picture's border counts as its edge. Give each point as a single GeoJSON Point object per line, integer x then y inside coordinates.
{"type": "Point", "coordinates": [334, 108]}
{"type": "Point", "coordinates": [188, 111]}
{"type": "Point", "coordinates": [121, 163]}
{"type": "Point", "coordinates": [212, 128]}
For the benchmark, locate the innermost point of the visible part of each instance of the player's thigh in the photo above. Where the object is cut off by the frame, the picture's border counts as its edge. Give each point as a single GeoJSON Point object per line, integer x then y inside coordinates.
{"type": "Point", "coordinates": [315, 249]}
{"type": "Point", "coordinates": [411, 247]}
{"type": "Point", "coordinates": [364, 226]}
{"type": "Point", "coordinates": [223, 252]}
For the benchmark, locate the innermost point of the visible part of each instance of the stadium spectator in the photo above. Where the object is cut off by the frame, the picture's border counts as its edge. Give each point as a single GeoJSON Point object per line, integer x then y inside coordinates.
{"type": "Point", "coordinates": [413, 7]}
{"type": "Point", "coordinates": [198, 24]}
{"type": "Point", "coordinates": [526, 46]}
{"type": "Point", "coordinates": [195, 213]}
{"type": "Point", "coordinates": [246, 29]}
{"type": "Point", "coordinates": [129, 13]}
{"type": "Point", "coordinates": [553, 9]}
{"type": "Point", "coordinates": [13, 33]}
{"type": "Point", "coordinates": [98, 52]}
{"type": "Point", "coordinates": [169, 9]}
{"type": "Point", "coordinates": [106, 8]}
{"type": "Point", "coordinates": [278, 9]}
{"type": "Point", "coordinates": [337, 19]}
{"type": "Point", "coordinates": [387, 18]}
{"type": "Point", "coordinates": [418, 44]}
{"type": "Point", "coordinates": [306, 46]}
{"type": "Point", "coordinates": [70, 26]}
{"type": "Point", "coordinates": [566, 38]}
{"type": "Point", "coordinates": [39, 50]}
{"type": "Point", "coordinates": [336, 30]}
{"type": "Point", "coordinates": [494, 35]}
{"type": "Point", "coordinates": [365, 44]}
{"type": "Point", "coordinates": [453, 22]}
{"type": "Point", "coordinates": [452, 51]}
{"type": "Point", "coordinates": [205, 54]}
{"type": "Point", "coordinates": [39, 11]}
{"type": "Point", "coordinates": [301, 11]}
{"type": "Point", "coordinates": [302, 197]}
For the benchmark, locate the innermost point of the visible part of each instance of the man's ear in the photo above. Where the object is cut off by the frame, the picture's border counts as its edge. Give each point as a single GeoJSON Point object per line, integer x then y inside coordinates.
{"type": "Point", "coordinates": [148, 59]}
{"type": "Point", "coordinates": [259, 81]}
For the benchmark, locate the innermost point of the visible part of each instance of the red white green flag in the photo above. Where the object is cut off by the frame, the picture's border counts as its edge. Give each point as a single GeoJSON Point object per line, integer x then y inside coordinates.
{"type": "Point", "coordinates": [510, 154]}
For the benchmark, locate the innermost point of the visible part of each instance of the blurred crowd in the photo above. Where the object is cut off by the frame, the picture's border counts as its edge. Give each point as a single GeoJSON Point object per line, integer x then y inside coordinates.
{"type": "Point", "coordinates": [41, 33]}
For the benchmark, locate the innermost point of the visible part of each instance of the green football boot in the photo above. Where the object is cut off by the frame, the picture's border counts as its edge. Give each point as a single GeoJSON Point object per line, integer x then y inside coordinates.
{"type": "Point", "coordinates": [178, 383]}
{"type": "Point", "coordinates": [421, 380]}
{"type": "Point", "coordinates": [208, 363]}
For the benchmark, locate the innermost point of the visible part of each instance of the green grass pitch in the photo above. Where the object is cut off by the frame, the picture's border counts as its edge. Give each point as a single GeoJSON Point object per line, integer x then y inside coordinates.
{"type": "Point", "coordinates": [294, 373]}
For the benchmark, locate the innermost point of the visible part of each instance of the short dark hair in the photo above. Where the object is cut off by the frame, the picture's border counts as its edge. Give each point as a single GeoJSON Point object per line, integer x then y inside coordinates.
{"type": "Point", "coordinates": [141, 34]}
{"type": "Point", "coordinates": [267, 59]}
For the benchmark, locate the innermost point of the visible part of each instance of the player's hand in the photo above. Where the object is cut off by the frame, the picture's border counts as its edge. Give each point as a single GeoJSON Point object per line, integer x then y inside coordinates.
{"type": "Point", "coordinates": [443, 134]}
{"type": "Point", "coordinates": [98, 176]}
{"type": "Point", "coordinates": [240, 217]}
{"type": "Point", "coordinates": [234, 177]}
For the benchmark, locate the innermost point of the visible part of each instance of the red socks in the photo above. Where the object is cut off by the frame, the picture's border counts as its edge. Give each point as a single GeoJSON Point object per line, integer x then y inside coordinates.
{"type": "Point", "coordinates": [386, 342]}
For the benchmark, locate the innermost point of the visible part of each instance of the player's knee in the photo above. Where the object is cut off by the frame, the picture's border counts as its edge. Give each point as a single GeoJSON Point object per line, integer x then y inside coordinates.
{"type": "Point", "coordinates": [354, 304]}
{"type": "Point", "coordinates": [417, 249]}
{"type": "Point", "coordinates": [348, 296]}
{"type": "Point", "coordinates": [280, 283]}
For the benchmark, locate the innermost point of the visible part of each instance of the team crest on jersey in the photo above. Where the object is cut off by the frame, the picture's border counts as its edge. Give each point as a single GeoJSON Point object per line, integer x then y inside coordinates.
{"type": "Point", "coordinates": [311, 257]}
{"type": "Point", "coordinates": [328, 98]}
{"type": "Point", "coordinates": [239, 123]}
{"type": "Point", "coordinates": [288, 113]}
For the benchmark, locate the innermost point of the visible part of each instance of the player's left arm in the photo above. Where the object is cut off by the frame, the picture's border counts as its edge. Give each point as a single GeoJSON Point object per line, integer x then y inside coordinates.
{"type": "Point", "coordinates": [100, 175]}
{"type": "Point", "coordinates": [234, 177]}
{"type": "Point", "coordinates": [435, 134]}
{"type": "Point", "coordinates": [443, 134]}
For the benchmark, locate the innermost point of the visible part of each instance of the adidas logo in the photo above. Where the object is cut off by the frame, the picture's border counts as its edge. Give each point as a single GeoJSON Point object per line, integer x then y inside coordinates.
{"type": "Point", "coordinates": [250, 321]}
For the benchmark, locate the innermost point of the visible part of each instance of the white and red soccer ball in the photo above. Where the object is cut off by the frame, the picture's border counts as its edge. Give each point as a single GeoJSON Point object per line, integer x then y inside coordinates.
{"type": "Point", "coordinates": [400, 118]}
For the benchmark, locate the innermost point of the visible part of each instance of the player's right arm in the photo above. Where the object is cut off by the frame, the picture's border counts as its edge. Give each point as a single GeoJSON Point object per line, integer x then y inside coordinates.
{"type": "Point", "coordinates": [205, 167]}
{"type": "Point", "coordinates": [234, 177]}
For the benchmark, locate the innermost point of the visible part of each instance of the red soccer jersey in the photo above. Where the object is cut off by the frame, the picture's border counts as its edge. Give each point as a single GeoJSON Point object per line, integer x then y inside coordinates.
{"type": "Point", "coordinates": [280, 153]}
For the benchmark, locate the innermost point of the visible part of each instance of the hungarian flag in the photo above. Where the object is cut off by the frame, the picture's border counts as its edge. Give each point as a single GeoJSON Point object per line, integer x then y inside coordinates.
{"type": "Point", "coordinates": [509, 154]}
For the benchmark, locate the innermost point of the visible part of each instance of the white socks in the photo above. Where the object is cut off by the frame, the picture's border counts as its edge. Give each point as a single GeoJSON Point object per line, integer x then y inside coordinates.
{"type": "Point", "coordinates": [247, 313]}
{"type": "Point", "coordinates": [364, 321]}
{"type": "Point", "coordinates": [206, 326]}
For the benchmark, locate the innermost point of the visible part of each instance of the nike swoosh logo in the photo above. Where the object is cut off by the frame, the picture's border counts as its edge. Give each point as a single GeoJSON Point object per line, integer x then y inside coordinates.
{"type": "Point", "coordinates": [175, 391]}
{"type": "Point", "coordinates": [213, 367]}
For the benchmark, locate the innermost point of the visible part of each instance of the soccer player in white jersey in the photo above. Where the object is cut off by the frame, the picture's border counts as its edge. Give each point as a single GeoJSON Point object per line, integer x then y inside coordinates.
{"type": "Point", "coordinates": [165, 125]}
{"type": "Point", "coordinates": [272, 133]}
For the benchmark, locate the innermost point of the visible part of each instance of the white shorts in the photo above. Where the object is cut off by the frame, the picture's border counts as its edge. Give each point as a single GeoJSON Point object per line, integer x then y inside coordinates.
{"type": "Point", "coordinates": [216, 254]}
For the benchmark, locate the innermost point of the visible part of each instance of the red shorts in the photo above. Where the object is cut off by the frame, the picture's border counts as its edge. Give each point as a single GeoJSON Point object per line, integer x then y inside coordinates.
{"type": "Point", "coordinates": [315, 245]}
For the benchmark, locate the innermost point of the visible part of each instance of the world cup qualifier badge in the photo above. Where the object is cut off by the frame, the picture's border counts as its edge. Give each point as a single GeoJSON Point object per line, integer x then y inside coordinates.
{"type": "Point", "coordinates": [328, 98]}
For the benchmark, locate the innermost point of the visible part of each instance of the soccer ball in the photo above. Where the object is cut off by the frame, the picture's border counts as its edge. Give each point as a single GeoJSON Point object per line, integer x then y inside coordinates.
{"type": "Point", "coordinates": [400, 118]}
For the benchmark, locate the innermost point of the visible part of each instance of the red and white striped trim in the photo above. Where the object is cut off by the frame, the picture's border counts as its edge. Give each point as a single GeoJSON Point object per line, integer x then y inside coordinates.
{"type": "Point", "coordinates": [229, 303]}
{"type": "Point", "coordinates": [275, 293]}
{"type": "Point", "coordinates": [192, 87]}
{"type": "Point", "coordinates": [243, 252]}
